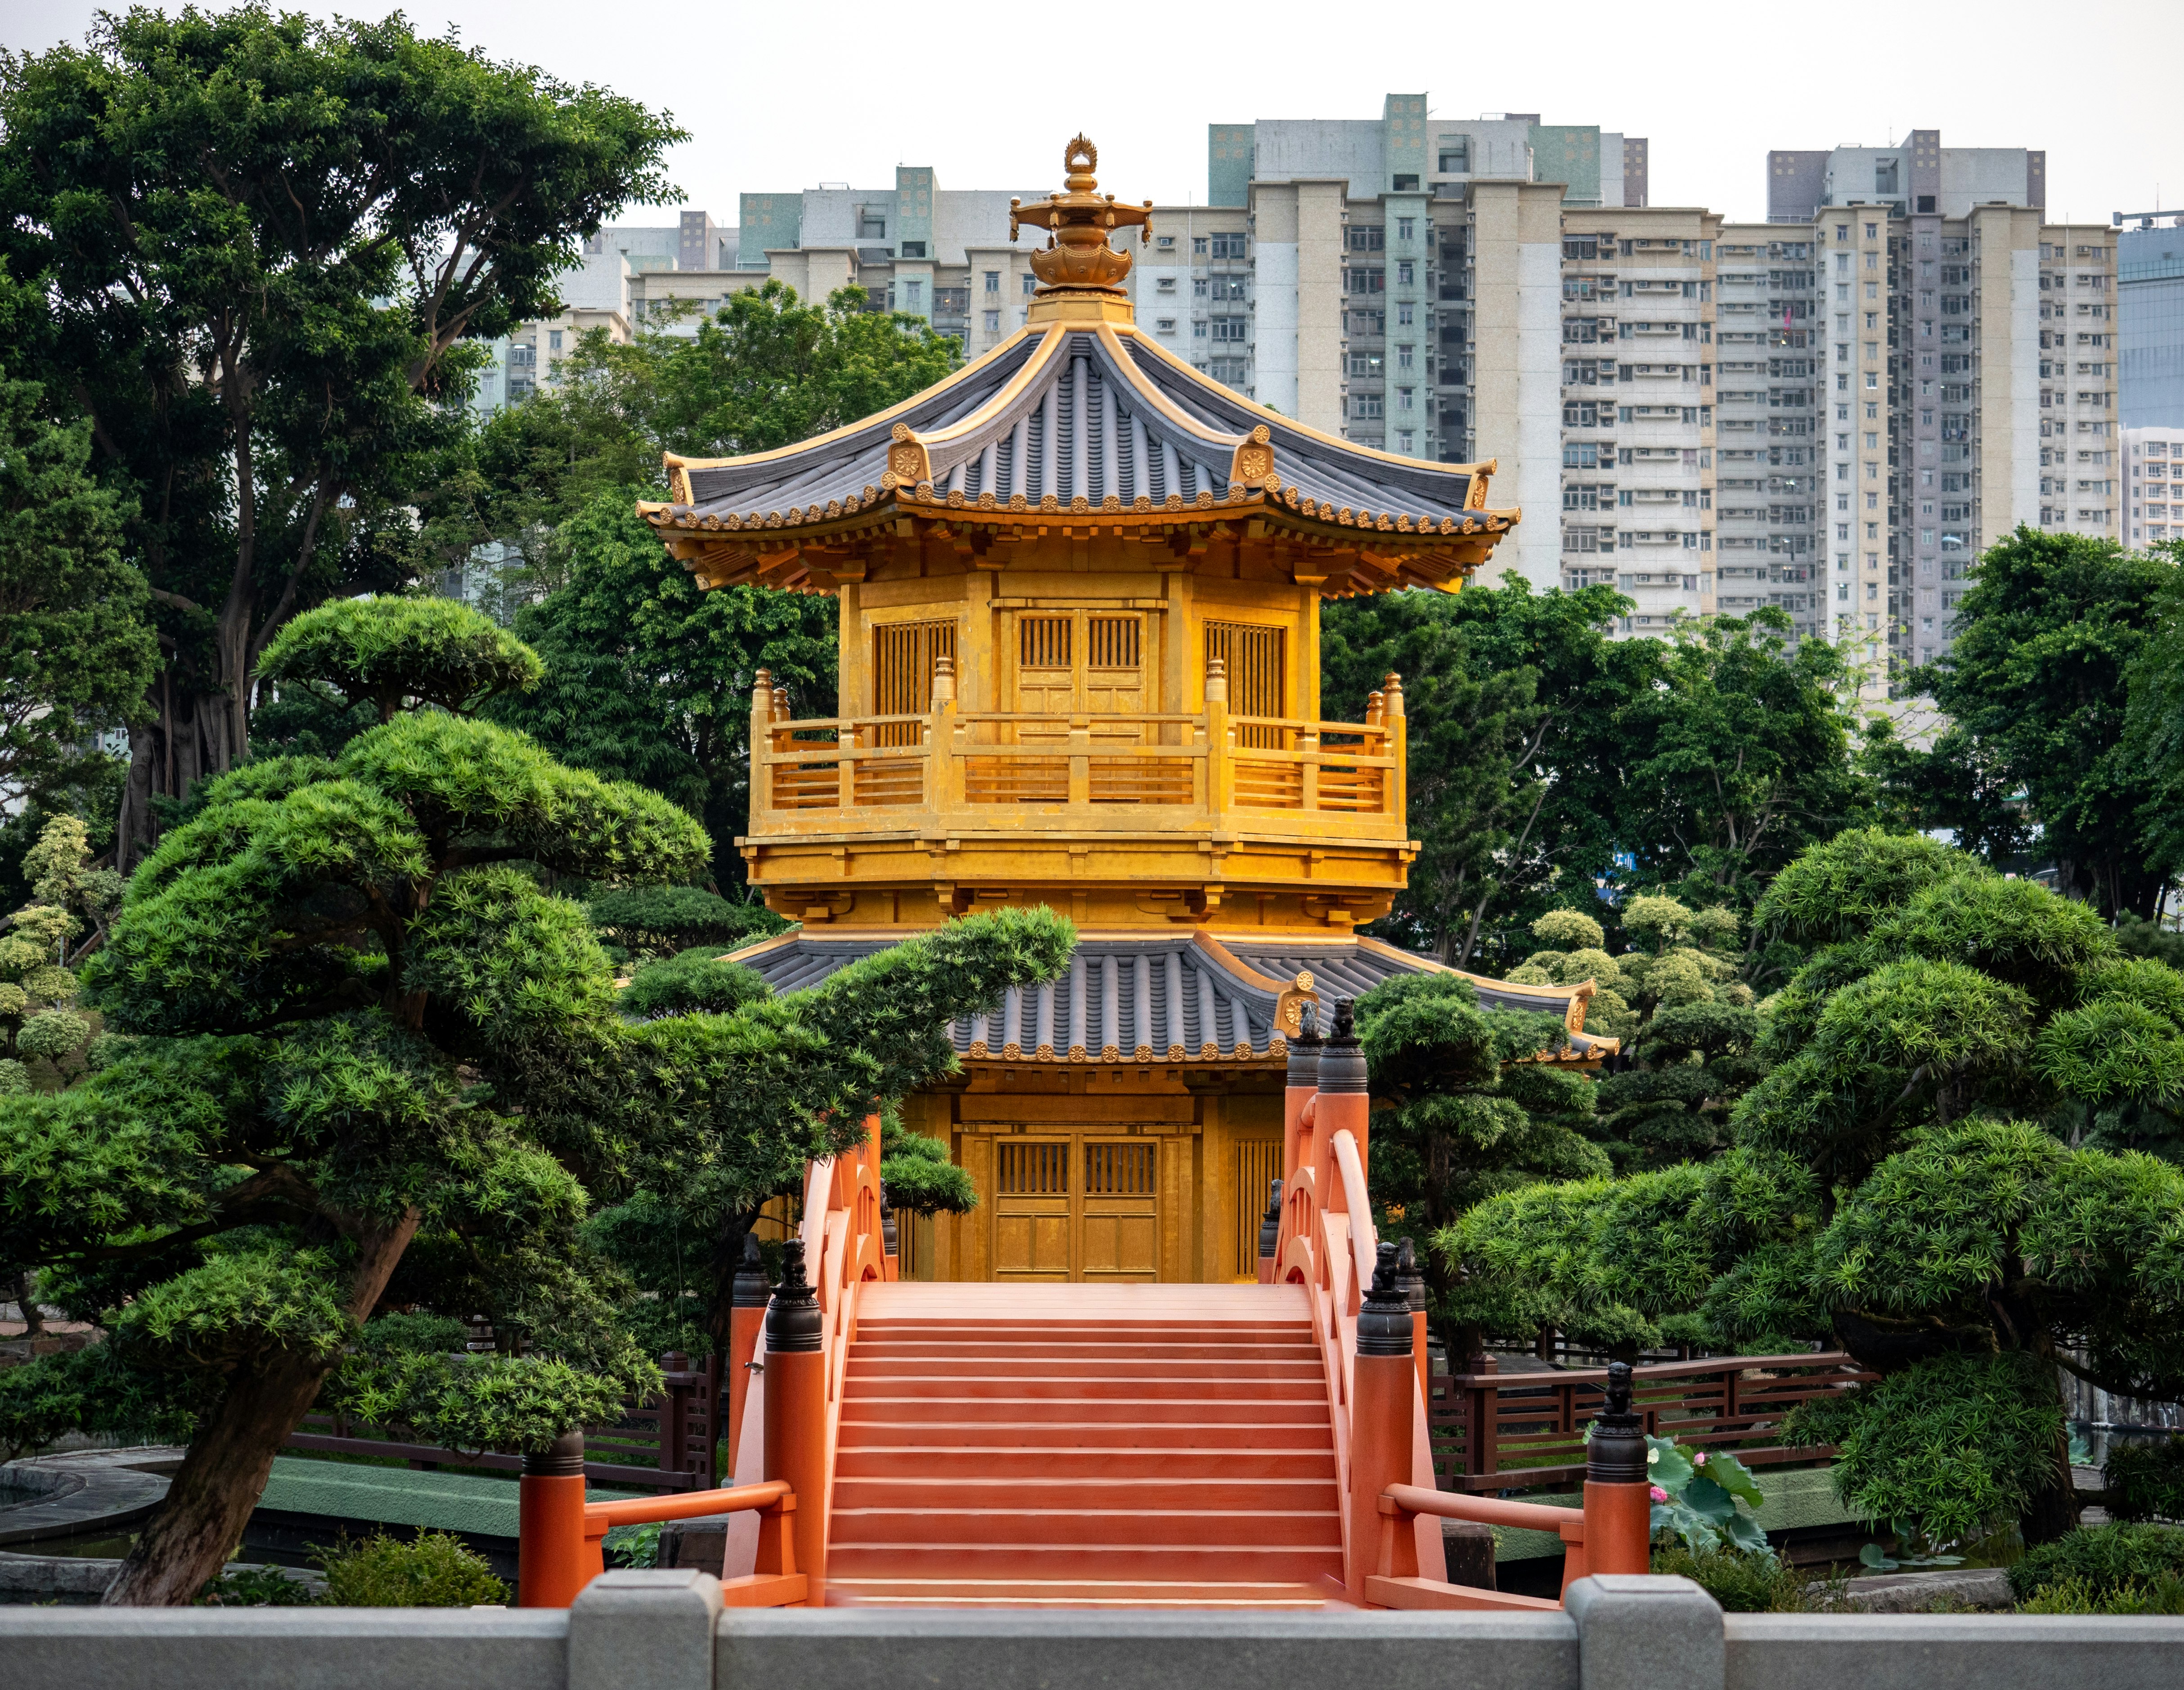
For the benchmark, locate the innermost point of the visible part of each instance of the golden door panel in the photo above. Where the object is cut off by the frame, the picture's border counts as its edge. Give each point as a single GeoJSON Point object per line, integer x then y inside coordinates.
{"type": "Point", "coordinates": [1032, 1208]}
{"type": "Point", "coordinates": [1121, 1210]}
{"type": "Point", "coordinates": [1258, 1165]}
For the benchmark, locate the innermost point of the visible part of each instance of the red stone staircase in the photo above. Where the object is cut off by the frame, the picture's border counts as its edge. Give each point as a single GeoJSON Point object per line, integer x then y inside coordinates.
{"type": "Point", "coordinates": [1047, 1445]}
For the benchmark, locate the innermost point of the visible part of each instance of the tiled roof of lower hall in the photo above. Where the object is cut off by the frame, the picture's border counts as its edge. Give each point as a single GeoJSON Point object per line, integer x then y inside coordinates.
{"type": "Point", "coordinates": [1182, 996]}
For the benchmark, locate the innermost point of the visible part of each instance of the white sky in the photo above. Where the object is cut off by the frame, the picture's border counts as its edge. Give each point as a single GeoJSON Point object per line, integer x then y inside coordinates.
{"type": "Point", "coordinates": [779, 98]}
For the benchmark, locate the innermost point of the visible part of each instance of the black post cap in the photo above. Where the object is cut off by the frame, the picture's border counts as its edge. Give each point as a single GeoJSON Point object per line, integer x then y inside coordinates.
{"type": "Point", "coordinates": [1383, 1322]}
{"type": "Point", "coordinates": [1615, 1455]}
{"type": "Point", "coordinates": [1341, 1062]}
{"type": "Point", "coordinates": [1270, 1223]}
{"type": "Point", "coordinates": [794, 1323]}
{"type": "Point", "coordinates": [1304, 1048]}
{"type": "Point", "coordinates": [750, 1290]}
{"type": "Point", "coordinates": [1408, 1275]}
{"type": "Point", "coordinates": [563, 1459]}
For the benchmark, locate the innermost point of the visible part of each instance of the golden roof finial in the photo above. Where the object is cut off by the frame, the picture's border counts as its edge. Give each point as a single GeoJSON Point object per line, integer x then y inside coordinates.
{"type": "Point", "coordinates": [1078, 257]}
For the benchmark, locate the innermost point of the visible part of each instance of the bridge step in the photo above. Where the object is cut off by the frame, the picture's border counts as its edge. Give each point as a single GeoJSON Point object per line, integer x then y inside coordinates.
{"type": "Point", "coordinates": [1038, 1446]}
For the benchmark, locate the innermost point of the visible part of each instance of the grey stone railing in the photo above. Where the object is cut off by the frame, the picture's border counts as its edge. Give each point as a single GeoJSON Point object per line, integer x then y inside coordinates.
{"type": "Point", "coordinates": [665, 1630]}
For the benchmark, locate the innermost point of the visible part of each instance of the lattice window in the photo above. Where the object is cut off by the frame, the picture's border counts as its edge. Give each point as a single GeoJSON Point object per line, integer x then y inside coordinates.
{"type": "Point", "coordinates": [1043, 641]}
{"type": "Point", "coordinates": [1034, 1169]}
{"type": "Point", "coordinates": [1258, 660]}
{"type": "Point", "coordinates": [1258, 1165]}
{"type": "Point", "coordinates": [1119, 1169]}
{"type": "Point", "coordinates": [903, 656]}
{"type": "Point", "coordinates": [1113, 642]}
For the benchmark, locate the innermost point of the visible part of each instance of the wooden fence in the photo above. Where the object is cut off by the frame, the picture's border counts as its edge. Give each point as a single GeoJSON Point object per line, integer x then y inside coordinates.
{"type": "Point", "coordinates": [1495, 1431]}
{"type": "Point", "coordinates": [660, 1443]}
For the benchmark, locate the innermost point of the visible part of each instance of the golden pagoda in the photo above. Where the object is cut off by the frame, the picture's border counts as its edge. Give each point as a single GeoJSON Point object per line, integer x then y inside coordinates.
{"type": "Point", "coordinates": [1080, 587]}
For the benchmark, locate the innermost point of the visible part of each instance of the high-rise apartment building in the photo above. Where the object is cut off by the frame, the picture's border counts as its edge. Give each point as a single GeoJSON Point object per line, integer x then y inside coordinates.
{"type": "Point", "coordinates": [1829, 413]}
{"type": "Point", "coordinates": [1962, 352]}
{"type": "Point", "coordinates": [2150, 319]}
{"type": "Point", "coordinates": [2153, 461]}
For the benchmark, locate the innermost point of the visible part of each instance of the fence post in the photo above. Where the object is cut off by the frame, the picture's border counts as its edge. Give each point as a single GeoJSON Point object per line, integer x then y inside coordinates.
{"type": "Point", "coordinates": [1380, 1429]}
{"type": "Point", "coordinates": [1270, 1232]}
{"type": "Point", "coordinates": [552, 1565]}
{"type": "Point", "coordinates": [1343, 1104]}
{"type": "Point", "coordinates": [1220, 762]}
{"type": "Point", "coordinates": [1619, 1506]}
{"type": "Point", "coordinates": [761, 740]}
{"type": "Point", "coordinates": [796, 1412]}
{"type": "Point", "coordinates": [1398, 745]}
{"type": "Point", "coordinates": [674, 1413]}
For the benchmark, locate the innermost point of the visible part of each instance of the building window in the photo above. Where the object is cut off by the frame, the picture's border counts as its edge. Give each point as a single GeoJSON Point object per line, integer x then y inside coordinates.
{"type": "Point", "coordinates": [1404, 184]}
{"type": "Point", "coordinates": [1403, 314]}
{"type": "Point", "coordinates": [1406, 228]}
{"type": "Point", "coordinates": [1165, 325]}
{"type": "Point", "coordinates": [913, 296]}
{"type": "Point", "coordinates": [552, 340]}
{"type": "Point", "coordinates": [872, 228]}
{"type": "Point", "coordinates": [1405, 440]}
{"type": "Point", "coordinates": [1030, 284]}
{"type": "Point", "coordinates": [913, 249]}
{"type": "Point", "coordinates": [1406, 272]}
{"type": "Point", "coordinates": [1198, 244]}
{"type": "Point", "coordinates": [992, 281]}
{"type": "Point", "coordinates": [993, 322]}
{"type": "Point", "coordinates": [1455, 158]}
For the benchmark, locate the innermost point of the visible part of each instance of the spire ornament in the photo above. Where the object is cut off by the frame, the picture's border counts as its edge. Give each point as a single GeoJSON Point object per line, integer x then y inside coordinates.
{"type": "Point", "coordinates": [1078, 257]}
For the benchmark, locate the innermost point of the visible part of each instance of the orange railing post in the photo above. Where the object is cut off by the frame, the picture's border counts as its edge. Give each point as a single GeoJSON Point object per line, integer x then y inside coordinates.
{"type": "Point", "coordinates": [1413, 1281]}
{"type": "Point", "coordinates": [552, 1562]}
{"type": "Point", "coordinates": [747, 1300]}
{"type": "Point", "coordinates": [796, 1410]}
{"type": "Point", "coordinates": [1302, 1082]}
{"type": "Point", "coordinates": [1381, 1428]}
{"type": "Point", "coordinates": [1619, 1504]}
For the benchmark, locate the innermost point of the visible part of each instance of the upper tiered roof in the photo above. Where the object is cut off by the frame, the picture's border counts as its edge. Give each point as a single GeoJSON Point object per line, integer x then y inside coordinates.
{"type": "Point", "coordinates": [1080, 415]}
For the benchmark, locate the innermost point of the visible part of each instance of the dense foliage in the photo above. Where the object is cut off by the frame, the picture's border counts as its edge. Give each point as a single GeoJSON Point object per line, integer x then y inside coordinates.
{"type": "Point", "coordinates": [2037, 688]}
{"type": "Point", "coordinates": [266, 248]}
{"type": "Point", "coordinates": [1936, 1172]}
{"type": "Point", "coordinates": [379, 1078]}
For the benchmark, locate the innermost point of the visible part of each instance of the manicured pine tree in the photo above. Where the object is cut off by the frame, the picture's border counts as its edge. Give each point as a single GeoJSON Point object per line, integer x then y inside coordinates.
{"type": "Point", "coordinates": [1903, 1182]}
{"type": "Point", "coordinates": [379, 1076]}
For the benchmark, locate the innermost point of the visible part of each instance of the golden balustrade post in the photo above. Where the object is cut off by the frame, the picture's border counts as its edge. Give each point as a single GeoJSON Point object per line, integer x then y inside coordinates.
{"type": "Point", "coordinates": [1307, 745]}
{"type": "Point", "coordinates": [1220, 740]}
{"type": "Point", "coordinates": [1392, 718]}
{"type": "Point", "coordinates": [846, 742]}
{"type": "Point", "coordinates": [761, 740]}
{"type": "Point", "coordinates": [943, 769]}
{"type": "Point", "coordinates": [1080, 763]}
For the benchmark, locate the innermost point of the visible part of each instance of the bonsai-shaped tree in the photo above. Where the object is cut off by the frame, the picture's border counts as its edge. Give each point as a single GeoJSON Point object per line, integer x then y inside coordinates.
{"type": "Point", "coordinates": [1473, 1105]}
{"type": "Point", "coordinates": [1686, 1023]}
{"type": "Point", "coordinates": [1902, 1183]}
{"type": "Point", "coordinates": [391, 653]}
{"type": "Point", "coordinates": [379, 1071]}
{"type": "Point", "coordinates": [37, 987]}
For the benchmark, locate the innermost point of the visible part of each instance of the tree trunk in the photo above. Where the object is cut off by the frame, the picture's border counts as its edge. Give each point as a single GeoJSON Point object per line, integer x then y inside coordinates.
{"type": "Point", "coordinates": [200, 1523]}
{"type": "Point", "coordinates": [187, 741]}
{"type": "Point", "coordinates": [2054, 1511]}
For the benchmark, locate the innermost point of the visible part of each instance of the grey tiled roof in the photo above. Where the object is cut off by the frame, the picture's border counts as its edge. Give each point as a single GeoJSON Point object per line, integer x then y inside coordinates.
{"type": "Point", "coordinates": [1153, 998]}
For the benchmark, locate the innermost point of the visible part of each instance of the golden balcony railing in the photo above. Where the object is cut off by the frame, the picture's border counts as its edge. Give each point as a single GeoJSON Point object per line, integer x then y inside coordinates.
{"type": "Point", "coordinates": [1099, 769]}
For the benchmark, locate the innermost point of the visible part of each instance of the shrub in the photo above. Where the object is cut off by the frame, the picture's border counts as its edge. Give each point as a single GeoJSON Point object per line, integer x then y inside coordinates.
{"type": "Point", "coordinates": [2146, 1481]}
{"type": "Point", "coordinates": [2103, 1558]}
{"type": "Point", "coordinates": [1742, 1583]}
{"type": "Point", "coordinates": [438, 1570]}
{"type": "Point", "coordinates": [696, 982]}
{"type": "Point", "coordinates": [2161, 1595]}
{"type": "Point", "coordinates": [660, 920]}
{"type": "Point", "coordinates": [255, 1587]}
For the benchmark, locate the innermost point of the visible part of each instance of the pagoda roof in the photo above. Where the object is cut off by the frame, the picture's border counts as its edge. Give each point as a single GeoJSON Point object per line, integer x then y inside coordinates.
{"type": "Point", "coordinates": [1081, 416]}
{"type": "Point", "coordinates": [1169, 996]}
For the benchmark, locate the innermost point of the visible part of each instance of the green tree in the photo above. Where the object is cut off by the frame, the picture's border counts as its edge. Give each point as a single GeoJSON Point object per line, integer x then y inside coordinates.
{"type": "Point", "coordinates": [75, 650]}
{"type": "Point", "coordinates": [379, 1075]}
{"type": "Point", "coordinates": [1687, 1023]}
{"type": "Point", "coordinates": [266, 247]}
{"type": "Point", "coordinates": [2154, 724]}
{"type": "Point", "coordinates": [1739, 759]}
{"type": "Point", "coordinates": [1473, 1104]}
{"type": "Point", "coordinates": [2036, 685]}
{"type": "Point", "coordinates": [648, 679]}
{"type": "Point", "coordinates": [1503, 688]}
{"type": "Point", "coordinates": [1904, 1182]}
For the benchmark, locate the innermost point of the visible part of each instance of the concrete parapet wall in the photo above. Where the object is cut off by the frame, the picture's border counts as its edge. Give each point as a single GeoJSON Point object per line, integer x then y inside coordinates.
{"type": "Point", "coordinates": [665, 1630]}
